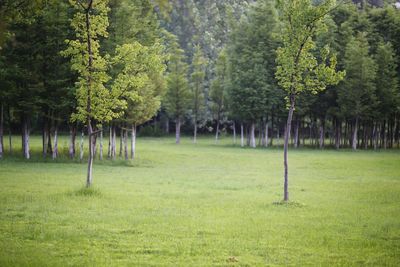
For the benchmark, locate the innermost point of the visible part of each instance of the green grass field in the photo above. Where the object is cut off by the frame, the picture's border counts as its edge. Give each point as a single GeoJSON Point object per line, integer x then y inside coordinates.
{"type": "Point", "coordinates": [202, 205]}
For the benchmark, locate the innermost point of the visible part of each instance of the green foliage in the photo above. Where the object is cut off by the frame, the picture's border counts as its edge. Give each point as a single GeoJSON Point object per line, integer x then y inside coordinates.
{"type": "Point", "coordinates": [219, 86]}
{"type": "Point", "coordinates": [253, 92]}
{"type": "Point", "coordinates": [140, 81]}
{"type": "Point", "coordinates": [94, 100]}
{"type": "Point", "coordinates": [197, 85]}
{"type": "Point", "coordinates": [178, 97]}
{"type": "Point", "coordinates": [298, 68]}
{"type": "Point", "coordinates": [357, 95]}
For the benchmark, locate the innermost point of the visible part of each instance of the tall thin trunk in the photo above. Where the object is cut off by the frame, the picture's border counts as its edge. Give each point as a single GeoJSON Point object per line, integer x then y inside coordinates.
{"type": "Point", "coordinates": [234, 133]}
{"type": "Point", "coordinates": [355, 139]}
{"type": "Point", "coordinates": [1, 130]}
{"type": "Point", "coordinates": [25, 138]}
{"type": "Point", "coordinates": [89, 178]}
{"type": "Point", "coordinates": [195, 132]}
{"type": "Point", "coordinates": [133, 142]}
{"type": "Point", "coordinates": [285, 150]}
{"type": "Point", "coordinates": [109, 142]}
{"type": "Point", "coordinates": [101, 145]}
{"type": "Point", "coordinates": [217, 132]}
{"type": "Point", "coordinates": [55, 149]}
{"type": "Point", "coordinates": [296, 134]}
{"type": "Point", "coordinates": [72, 134]}
{"type": "Point", "coordinates": [241, 135]}
{"type": "Point", "coordinates": [121, 137]}
{"type": "Point", "coordinates": [9, 131]}
{"type": "Point", "coordinates": [266, 134]}
{"type": "Point", "coordinates": [114, 143]}
{"type": "Point", "coordinates": [252, 135]}
{"type": "Point", "coordinates": [126, 145]}
{"type": "Point", "coordinates": [322, 135]}
{"type": "Point", "coordinates": [178, 131]}
{"type": "Point", "coordinates": [81, 147]}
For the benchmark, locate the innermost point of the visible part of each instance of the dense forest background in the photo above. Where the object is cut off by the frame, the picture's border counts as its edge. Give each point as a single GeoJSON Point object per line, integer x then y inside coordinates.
{"type": "Point", "coordinates": [206, 66]}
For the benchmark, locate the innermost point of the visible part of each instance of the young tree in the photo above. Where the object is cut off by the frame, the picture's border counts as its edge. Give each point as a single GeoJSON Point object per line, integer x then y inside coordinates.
{"type": "Point", "coordinates": [95, 103]}
{"type": "Point", "coordinates": [298, 68]}
{"type": "Point", "coordinates": [197, 86]}
{"type": "Point", "coordinates": [141, 82]}
{"type": "Point", "coordinates": [178, 97]}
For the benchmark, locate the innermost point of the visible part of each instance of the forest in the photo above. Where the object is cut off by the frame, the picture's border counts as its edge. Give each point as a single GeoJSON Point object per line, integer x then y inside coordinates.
{"type": "Point", "coordinates": [181, 113]}
{"type": "Point", "coordinates": [202, 66]}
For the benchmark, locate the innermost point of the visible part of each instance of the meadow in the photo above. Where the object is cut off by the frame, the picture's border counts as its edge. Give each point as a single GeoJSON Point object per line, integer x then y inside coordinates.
{"type": "Point", "coordinates": [202, 205]}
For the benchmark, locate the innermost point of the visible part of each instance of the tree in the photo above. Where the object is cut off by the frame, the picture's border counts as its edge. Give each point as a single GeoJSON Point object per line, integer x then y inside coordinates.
{"type": "Point", "coordinates": [357, 97]}
{"type": "Point", "coordinates": [197, 86]}
{"type": "Point", "coordinates": [219, 90]}
{"type": "Point", "coordinates": [251, 50]}
{"type": "Point", "coordinates": [298, 68]}
{"type": "Point", "coordinates": [178, 97]}
{"type": "Point", "coordinates": [95, 103]}
{"type": "Point", "coordinates": [141, 82]}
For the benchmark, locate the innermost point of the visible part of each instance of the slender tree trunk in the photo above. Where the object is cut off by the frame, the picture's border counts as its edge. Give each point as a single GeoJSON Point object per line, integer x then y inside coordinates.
{"type": "Point", "coordinates": [133, 142]}
{"type": "Point", "coordinates": [337, 134]}
{"type": "Point", "coordinates": [195, 133]}
{"type": "Point", "coordinates": [252, 135]}
{"type": "Point", "coordinates": [109, 142]}
{"type": "Point", "coordinates": [217, 132]}
{"type": "Point", "coordinates": [114, 143]}
{"type": "Point", "coordinates": [89, 178]}
{"type": "Point", "coordinates": [101, 145]}
{"type": "Point", "coordinates": [1, 130]}
{"type": "Point", "coordinates": [384, 134]}
{"type": "Point", "coordinates": [266, 134]}
{"type": "Point", "coordinates": [121, 145]}
{"type": "Point", "coordinates": [55, 149]}
{"type": "Point", "coordinates": [126, 154]}
{"type": "Point", "coordinates": [72, 134]}
{"type": "Point", "coordinates": [9, 131]}
{"type": "Point", "coordinates": [178, 131]}
{"type": "Point", "coordinates": [234, 133]}
{"type": "Point", "coordinates": [285, 150]}
{"type": "Point", "coordinates": [241, 135]}
{"type": "Point", "coordinates": [167, 126]}
{"type": "Point", "coordinates": [355, 131]}
{"type": "Point", "coordinates": [321, 135]}
{"type": "Point", "coordinates": [296, 134]}
{"type": "Point", "coordinates": [25, 138]}
{"type": "Point", "coordinates": [81, 147]}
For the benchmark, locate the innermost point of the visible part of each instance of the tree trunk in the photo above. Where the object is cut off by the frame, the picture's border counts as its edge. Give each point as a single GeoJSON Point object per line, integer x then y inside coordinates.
{"type": "Point", "coordinates": [337, 134]}
{"type": "Point", "coordinates": [285, 150]}
{"type": "Point", "coordinates": [114, 144]}
{"type": "Point", "coordinates": [252, 135]}
{"type": "Point", "coordinates": [296, 134]}
{"type": "Point", "coordinates": [89, 178]}
{"type": "Point", "coordinates": [234, 133]}
{"type": "Point", "coordinates": [217, 132]}
{"type": "Point", "coordinates": [109, 142]}
{"type": "Point", "coordinates": [126, 154]}
{"type": "Point", "coordinates": [55, 149]}
{"type": "Point", "coordinates": [241, 135]}
{"type": "Point", "coordinates": [133, 142]}
{"type": "Point", "coordinates": [101, 145]}
{"type": "Point", "coordinates": [1, 130]}
{"type": "Point", "coordinates": [121, 137]}
{"type": "Point", "coordinates": [72, 134]}
{"type": "Point", "coordinates": [25, 138]}
{"type": "Point", "coordinates": [167, 126]}
{"type": "Point", "coordinates": [322, 135]}
{"type": "Point", "coordinates": [81, 147]}
{"type": "Point", "coordinates": [9, 131]}
{"type": "Point", "coordinates": [45, 139]}
{"type": "Point", "coordinates": [266, 134]}
{"type": "Point", "coordinates": [178, 131]}
{"type": "Point", "coordinates": [195, 132]}
{"type": "Point", "coordinates": [355, 139]}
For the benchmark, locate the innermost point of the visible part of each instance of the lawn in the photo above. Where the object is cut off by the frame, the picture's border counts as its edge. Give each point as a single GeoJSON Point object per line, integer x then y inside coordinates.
{"type": "Point", "coordinates": [202, 205]}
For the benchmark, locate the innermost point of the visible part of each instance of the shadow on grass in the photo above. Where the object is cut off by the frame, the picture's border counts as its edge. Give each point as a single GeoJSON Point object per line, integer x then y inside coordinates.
{"type": "Point", "coordinates": [86, 192]}
{"type": "Point", "coordinates": [289, 204]}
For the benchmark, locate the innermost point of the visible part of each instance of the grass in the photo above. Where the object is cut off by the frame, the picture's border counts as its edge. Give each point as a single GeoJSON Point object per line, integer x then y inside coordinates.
{"type": "Point", "coordinates": [202, 205]}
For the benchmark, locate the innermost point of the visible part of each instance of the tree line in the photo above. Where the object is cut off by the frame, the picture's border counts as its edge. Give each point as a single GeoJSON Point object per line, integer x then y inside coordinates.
{"type": "Point", "coordinates": [201, 65]}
